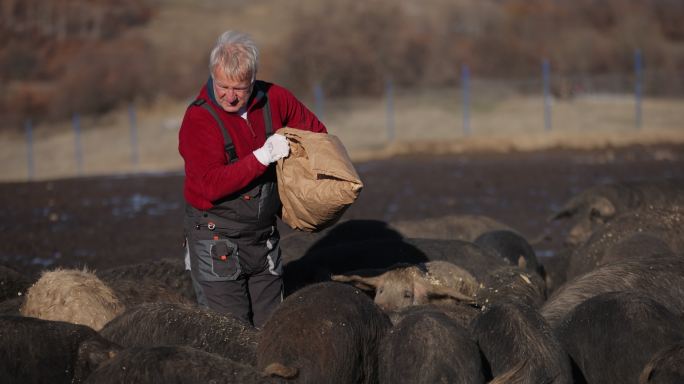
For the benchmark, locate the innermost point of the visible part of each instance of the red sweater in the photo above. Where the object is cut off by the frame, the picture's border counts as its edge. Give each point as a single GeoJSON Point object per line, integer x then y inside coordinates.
{"type": "Point", "coordinates": [208, 174]}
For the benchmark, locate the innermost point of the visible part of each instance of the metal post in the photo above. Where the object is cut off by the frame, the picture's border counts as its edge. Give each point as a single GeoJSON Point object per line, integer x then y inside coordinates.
{"type": "Point", "coordinates": [318, 97]}
{"type": "Point", "coordinates": [638, 86]}
{"type": "Point", "coordinates": [132, 117]}
{"type": "Point", "coordinates": [465, 90]}
{"type": "Point", "coordinates": [77, 144]}
{"type": "Point", "coordinates": [28, 125]}
{"type": "Point", "coordinates": [546, 76]}
{"type": "Point", "coordinates": [389, 94]}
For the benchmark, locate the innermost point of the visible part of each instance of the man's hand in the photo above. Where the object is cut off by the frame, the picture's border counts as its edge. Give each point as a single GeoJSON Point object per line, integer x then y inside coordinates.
{"type": "Point", "coordinates": [275, 148]}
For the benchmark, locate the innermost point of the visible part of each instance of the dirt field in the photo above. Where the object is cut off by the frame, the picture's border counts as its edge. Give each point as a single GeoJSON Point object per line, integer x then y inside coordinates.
{"type": "Point", "coordinates": [101, 222]}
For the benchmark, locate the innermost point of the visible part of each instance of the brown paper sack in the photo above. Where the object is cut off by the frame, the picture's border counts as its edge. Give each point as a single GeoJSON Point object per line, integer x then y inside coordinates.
{"type": "Point", "coordinates": [317, 181]}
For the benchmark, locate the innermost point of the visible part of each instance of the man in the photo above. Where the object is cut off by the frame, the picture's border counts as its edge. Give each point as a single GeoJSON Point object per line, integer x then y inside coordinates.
{"type": "Point", "coordinates": [228, 141]}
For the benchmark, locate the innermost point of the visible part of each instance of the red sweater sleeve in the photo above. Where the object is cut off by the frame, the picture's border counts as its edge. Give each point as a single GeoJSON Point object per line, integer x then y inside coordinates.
{"type": "Point", "coordinates": [293, 113]}
{"type": "Point", "coordinates": [208, 177]}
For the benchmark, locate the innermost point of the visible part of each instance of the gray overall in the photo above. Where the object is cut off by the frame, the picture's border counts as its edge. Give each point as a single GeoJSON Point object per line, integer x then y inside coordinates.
{"type": "Point", "coordinates": [233, 247]}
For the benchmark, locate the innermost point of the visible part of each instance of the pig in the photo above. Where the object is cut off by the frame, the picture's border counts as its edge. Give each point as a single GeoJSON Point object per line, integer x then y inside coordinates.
{"type": "Point", "coordinates": [33, 350]}
{"type": "Point", "coordinates": [91, 301]}
{"type": "Point", "coordinates": [511, 283]}
{"type": "Point", "coordinates": [91, 353]}
{"type": "Point", "coordinates": [319, 265]}
{"type": "Point", "coordinates": [517, 342]}
{"type": "Point", "coordinates": [555, 268]}
{"type": "Point", "coordinates": [461, 313]}
{"type": "Point", "coordinates": [173, 364]}
{"type": "Point", "coordinates": [75, 296]}
{"type": "Point", "coordinates": [477, 261]}
{"type": "Point", "coordinates": [169, 273]}
{"type": "Point", "coordinates": [612, 336]}
{"type": "Point", "coordinates": [512, 247]}
{"type": "Point", "coordinates": [146, 290]}
{"type": "Point", "coordinates": [643, 233]}
{"type": "Point", "coordinates": [324, 333]}
{"type": "Point", "coordinates": [153, 324]}
{"type": "Point", "coordinates": [598, 205]}
{"type": "Point", "coordinates": [451, 227]}
{"type": "Point", "coordinates": [659, 277]}
{"type": "Point", "coordinates": [665, 367]}
{"type": "Point", "coordinates": [429, 347]}
{"type": "Point", "coordinates": [406, 285]}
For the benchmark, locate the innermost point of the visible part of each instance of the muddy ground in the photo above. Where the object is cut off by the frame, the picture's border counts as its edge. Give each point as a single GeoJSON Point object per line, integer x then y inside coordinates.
{"type": "Point", "coordinates": [102, 222]}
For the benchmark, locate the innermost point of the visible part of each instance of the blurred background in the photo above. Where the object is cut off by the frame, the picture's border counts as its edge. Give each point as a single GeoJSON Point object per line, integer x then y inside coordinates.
{"type": "Point", "coordinates": [100, 86]}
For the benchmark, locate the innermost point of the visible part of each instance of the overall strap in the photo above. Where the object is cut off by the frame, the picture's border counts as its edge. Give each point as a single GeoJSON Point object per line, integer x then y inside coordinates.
{"type": "Point", "coordinates": [267, 118]}
{"type": "Point", "coordinates": [227, 140]}
{"type": "Point", "coordinates": [268, 124]}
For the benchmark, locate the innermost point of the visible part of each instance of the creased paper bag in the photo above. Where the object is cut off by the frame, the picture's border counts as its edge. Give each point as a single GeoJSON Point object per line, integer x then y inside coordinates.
{"type": "Point", "coordinates": [317, 181]}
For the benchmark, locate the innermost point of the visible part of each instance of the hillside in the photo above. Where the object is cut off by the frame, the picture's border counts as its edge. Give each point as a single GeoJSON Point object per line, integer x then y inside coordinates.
{"type": "Point", "coordinates": [60, 58]}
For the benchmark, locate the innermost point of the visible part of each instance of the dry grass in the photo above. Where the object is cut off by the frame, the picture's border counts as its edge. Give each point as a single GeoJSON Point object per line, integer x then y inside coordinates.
{"type": "Point", "coordinates": [424, 123]}
{"type": "Point", "coordinates": [514, 123]}
{"type": "Point", "coordinates": [183, 32]}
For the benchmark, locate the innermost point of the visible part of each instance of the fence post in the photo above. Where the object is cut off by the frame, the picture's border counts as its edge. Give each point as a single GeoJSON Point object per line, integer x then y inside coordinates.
{"type": "Point", "coordinates": [546, 77]}
{"type": "Point", "coordinates": [132, 117]}
{"type": "Point", "coordinates": [389, 94]}
{"type": "Point", "coordinates": [28, 125]}
{"type": "Point", "coordinates": [465, 91]}
{"type": "Point", "coordinates": [78, 153]}
{"type": "Point", "coordinates": [318, 97]}
{"type": "Point", "coordinates": [638, 86]}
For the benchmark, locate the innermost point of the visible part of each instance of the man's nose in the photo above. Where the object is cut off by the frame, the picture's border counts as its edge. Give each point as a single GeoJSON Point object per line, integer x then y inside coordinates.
{"type": "Point", "coordinates": [226, 94]}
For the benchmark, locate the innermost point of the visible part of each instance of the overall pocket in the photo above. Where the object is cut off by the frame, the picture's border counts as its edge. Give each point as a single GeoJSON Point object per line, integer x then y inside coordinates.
{"type": "Point", "coordinates": [217, 260]}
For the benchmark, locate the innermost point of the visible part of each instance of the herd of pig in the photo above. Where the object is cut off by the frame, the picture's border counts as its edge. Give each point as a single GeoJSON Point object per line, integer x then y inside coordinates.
{"type": "Point", "coordinates": [457, 299]}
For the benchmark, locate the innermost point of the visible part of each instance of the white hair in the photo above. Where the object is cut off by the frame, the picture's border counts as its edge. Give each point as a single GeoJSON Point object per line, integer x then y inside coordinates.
{"type": "Point", "coordinates": [235, 53]}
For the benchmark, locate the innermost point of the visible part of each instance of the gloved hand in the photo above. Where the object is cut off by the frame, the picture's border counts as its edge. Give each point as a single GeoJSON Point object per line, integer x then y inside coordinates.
{"type": "Point", "coordinates": [275, 148]}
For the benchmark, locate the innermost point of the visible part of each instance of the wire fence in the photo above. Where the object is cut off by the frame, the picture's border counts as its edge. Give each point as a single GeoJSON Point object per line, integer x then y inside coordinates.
{"type": "Point", "coordinates": [477, 107]}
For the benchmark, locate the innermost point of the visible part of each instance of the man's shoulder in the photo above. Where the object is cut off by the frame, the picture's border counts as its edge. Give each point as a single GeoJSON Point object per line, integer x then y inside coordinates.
{"type": "Point", "coordinates": [197, 112]}
{"type": "Point", "coordinates": [272, 89]}
{"type": "Point", "coordinates": [200, 98]}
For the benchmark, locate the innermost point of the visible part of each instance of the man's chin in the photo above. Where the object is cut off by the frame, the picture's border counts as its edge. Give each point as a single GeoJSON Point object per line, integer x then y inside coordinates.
{"type": "Point", "coordinates": [230, 108]}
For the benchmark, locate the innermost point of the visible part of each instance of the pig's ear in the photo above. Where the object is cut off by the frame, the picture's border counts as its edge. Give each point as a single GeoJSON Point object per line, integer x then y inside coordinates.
{"type": "Point", "coordinates": [435, 292]}
{"type": "Point", "coordinates": [522, 263]}
{"type": "Point", "coordinates": [361, 282]}
{"type": "Point", "coordinates": [420, 293]}
{"type": "Point", "coordinates": [601, 208]}
{"type": "Point", "coordinates": [92, 353]}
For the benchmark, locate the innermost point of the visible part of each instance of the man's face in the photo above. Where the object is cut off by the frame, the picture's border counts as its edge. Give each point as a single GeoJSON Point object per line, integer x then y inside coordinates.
{"type": "Point", "coordinates": [231, 94]}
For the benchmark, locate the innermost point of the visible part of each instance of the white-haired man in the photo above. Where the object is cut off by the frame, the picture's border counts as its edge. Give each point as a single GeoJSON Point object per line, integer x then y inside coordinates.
{"type": "Point", "coordinates": [229, 141]}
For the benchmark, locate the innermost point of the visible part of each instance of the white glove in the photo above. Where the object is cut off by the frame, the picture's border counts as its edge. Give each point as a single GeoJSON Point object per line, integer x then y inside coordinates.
{"type": "Point", "coordinates": [275, 148]}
